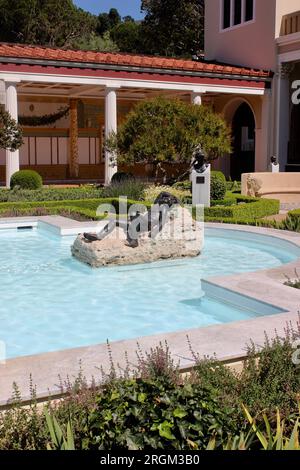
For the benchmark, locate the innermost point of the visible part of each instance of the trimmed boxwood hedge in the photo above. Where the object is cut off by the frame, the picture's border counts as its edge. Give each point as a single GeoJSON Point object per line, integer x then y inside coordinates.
{"type": "Point", "coordinates": [242, 209]}
{"type": "Point", "coordinates": [86, 207]}
{"type": "Point", "coordinates": [217, 187]}
{"type": "Point", "coordinates": [26, 179]}
{"type": "Point", "coordinates": [50, 194]}
{"type": "Point", "coordinates": [219, 175]}
{"type": "Point", "coordinates": [245, 209]}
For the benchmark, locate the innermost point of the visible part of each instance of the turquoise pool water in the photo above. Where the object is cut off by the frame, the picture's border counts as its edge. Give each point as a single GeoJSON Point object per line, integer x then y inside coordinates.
{"type": "Point", "coordinates": [50, 301]}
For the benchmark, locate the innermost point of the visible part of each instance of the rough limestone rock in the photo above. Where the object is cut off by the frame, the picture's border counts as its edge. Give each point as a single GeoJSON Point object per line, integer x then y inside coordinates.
{"type": "Point", "coordinates": [180, 237]}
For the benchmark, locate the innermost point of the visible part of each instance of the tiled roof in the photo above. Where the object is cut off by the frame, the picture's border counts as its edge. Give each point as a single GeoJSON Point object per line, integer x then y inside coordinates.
{"type": "Point", "coordinates": [19, 51]}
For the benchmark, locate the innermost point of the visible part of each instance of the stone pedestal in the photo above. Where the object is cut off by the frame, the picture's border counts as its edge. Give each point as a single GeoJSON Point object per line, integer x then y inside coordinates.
{"type": "Point", "coordinates": [181, 237]}
{"type": "Point", "coordinates": [201, 187]}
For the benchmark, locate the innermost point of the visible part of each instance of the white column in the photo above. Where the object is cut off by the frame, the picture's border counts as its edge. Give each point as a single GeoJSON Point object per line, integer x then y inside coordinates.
{"type": "Point", "coordinates": [282, 118]}
{"type": "Point", "coordinates": [2, 93]}
{"type": "Point", "coordinates": [196, 99]}
{"type": "Point", "coordinates": [12, 158]}
{"type": "Point", "coordinates": [110, 126]}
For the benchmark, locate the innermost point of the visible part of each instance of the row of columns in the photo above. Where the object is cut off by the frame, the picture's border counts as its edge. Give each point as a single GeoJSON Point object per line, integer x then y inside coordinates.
{"type": "Point", "coordinates": [111, 123]}
{"type": "Point", "coordinates": [13, 158]}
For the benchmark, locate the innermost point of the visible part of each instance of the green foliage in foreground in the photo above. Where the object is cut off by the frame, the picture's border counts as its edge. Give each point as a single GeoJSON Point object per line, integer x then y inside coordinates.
{"type": "Point", "coordinates": [152, 406]}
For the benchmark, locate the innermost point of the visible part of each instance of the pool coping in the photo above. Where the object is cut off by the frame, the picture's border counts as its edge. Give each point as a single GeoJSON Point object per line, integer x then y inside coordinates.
{"type": "Point", "coordinates": [227, 341]}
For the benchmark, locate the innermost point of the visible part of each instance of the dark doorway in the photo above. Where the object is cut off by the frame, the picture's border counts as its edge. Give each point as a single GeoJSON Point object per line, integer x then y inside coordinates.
{"type": "Point", "coordinates": [293, 163]}
{"type": "Point", "coordinates": [243, 142]}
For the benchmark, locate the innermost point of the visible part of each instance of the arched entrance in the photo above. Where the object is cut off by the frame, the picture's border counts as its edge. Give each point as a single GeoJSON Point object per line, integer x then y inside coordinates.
{"type": "Point", "coordinates": [243, 142]}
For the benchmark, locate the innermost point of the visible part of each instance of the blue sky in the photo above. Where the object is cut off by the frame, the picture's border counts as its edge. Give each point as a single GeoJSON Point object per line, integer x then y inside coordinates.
{"type": "Point", "coordinates": [125, 7]}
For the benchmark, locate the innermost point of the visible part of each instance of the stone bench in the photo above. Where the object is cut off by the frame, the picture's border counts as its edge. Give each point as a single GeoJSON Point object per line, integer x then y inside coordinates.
{"type": "Point", "coordinates": [282, 186]}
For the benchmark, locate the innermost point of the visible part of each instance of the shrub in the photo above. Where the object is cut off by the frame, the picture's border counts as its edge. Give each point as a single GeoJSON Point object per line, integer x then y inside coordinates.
{"type": "Point", "coordinates": [292, 222]}
{"type": "Point", "coordinates": [26, 179]}
{"type": "Point", "coordinates": [295, 283]}
{"type": "Point", "coordinates": [163, 130]}
{"type": "Point", "coordinates": [156, 414]}
{"type": "Point", "coordinates": [183, 185]}
{"type": "Point", "coordinates": [234, 186]}
{"type": "Point", "coordinates": [121, 176]}
{"type": "Point", "coordinates": [217, 188]}
{"type": "Point", "coordinates": [219, 174]}
{"type": "Point", "coordinates": [273, 381]}
{"type": "Point", "coordinates": [133, 189]}
{"type": "Point", "coordinates": [153, 407]}
{"type": "Point", "coordinates": [151, 193]}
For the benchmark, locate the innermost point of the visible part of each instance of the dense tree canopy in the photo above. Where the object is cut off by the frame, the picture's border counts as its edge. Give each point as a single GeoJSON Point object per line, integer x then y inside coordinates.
{"type": "Point", "coordinates": [168, 130]}
{"type": "Point", "coordinates": [170, 27]}
{"type": "Point", "coordinates": [173, 27]}
{"type": "Point", "coordinates": [46, 22]}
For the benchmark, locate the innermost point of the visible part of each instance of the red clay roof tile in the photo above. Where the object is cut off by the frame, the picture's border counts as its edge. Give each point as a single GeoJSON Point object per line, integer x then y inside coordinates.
{"type": "Point", "coordinates": [46, 53]}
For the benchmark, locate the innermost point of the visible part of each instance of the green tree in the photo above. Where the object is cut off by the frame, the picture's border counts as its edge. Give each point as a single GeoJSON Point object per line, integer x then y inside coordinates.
{"type": "Point", "coordinates": [11, 136]}
{"type": "Point", "coordinates": [127, 36]}
{"type": "Point", "coordinates": [173, 27]}
{"type": "Point", "coordinates": [47, 22]}
{"type": "Point", "coordinates": [107, 21]}
{"type": "Point", "coordinates": [97, 43]}
{"type": "Point", "coordinates": [164, 130]}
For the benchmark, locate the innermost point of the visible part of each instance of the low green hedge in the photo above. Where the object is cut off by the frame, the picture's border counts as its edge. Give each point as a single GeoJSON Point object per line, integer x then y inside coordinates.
{"type": "Point", "coordinates": [244, 209]}
{"type": "Point", "coordinates": [87, 207]}
{"type": "Point", "coordinates": [50, 194]}
{"type": "Point", "coordinates": [250, 222]}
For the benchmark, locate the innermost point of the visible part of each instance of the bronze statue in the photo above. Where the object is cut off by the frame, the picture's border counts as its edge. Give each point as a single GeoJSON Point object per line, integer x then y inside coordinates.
{"type": "Point", "coordinates": [199, 160]}
{"type": "Point", "coordinates": [153, 222]}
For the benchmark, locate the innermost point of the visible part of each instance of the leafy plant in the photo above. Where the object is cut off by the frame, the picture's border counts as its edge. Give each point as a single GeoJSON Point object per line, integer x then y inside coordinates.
{"type": "Point", "coordinates": [278, 441]}
{"type": "Point", "coordinates": [121, 176]}
{"type": "Point", "coordinates": [59, 441]}
{"type": "Point", "coordinates": [219, 174]}
{"type": "Point", "coordinates": [26, 179]}
{"type": "Point", "coordinates": [151, 192]}
{"type": "Point", "coordinates": [156, 414]}
{"type": "Point", "coordinates": [133, 189]}
{"type": "Point", "coordinates": [168, 130]}
{"type": "Point", "coordinates": [293, 283]}
{"type": "Point", "coordinates": [292, 222]}
{"type": "Point", "coordinates": [270, 379]}
{"type": "Point", "coordinates": [217, 187]}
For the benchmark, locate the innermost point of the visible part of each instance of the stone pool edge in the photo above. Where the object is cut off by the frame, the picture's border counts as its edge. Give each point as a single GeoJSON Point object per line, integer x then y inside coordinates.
{"type": "Point", "coordinates": [227, 341]}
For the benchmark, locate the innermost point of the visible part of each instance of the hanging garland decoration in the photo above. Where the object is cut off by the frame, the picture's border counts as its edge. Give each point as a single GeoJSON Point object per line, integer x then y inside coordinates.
{"type": "Point", "coordinates": [11, 136]}
{"type": "Point", "coordinates": [46, 120]}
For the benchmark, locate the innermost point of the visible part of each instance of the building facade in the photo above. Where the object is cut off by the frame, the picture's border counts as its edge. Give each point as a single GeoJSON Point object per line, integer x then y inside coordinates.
{"type": "Point", "coordinates": [251, 57]}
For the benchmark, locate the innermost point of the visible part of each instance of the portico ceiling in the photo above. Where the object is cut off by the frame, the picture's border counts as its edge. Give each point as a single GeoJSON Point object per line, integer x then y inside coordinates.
{"type": "Point", "coordinates": [49, 90]}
